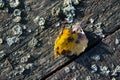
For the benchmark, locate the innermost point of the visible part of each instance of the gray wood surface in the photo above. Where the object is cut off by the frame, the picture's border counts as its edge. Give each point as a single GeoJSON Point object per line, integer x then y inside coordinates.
{"type": "Point", "coordinates": [41, 57]}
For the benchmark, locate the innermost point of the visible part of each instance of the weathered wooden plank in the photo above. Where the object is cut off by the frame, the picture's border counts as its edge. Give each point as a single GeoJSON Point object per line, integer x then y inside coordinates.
{"type": "Point", "coordinates": [47, 64]}
{"type": "Point", "coordinates": [7, 23]}
{"type": "Point", "coordinates": [108, 51]}
{"type": "Point", "coordinates": [41, 57]}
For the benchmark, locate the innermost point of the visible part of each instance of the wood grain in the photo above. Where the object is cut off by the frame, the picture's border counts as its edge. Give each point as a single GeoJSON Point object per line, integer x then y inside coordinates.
{"type": "Point", "coordinates": [41, 57]}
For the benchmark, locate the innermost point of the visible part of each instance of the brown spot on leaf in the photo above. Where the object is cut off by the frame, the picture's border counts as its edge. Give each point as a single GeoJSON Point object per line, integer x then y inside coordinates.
{"type": "Point", "coordinates": [57, 48]}
{"type": "Point", "coordinates": [58, 53]}
{"type": "Point", "coordinates": [77, 41]}
{"type": "Point", "coordinates": [66, 52]}
{"type": "Point", "coordinates": [70, 39]}
{"type": "Point", "coordinates": [80, 36]}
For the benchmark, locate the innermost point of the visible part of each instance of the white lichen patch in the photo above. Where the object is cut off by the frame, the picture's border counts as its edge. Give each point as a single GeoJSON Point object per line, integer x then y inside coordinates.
{"type": "Point", "coordinates": [74, 78]}
{"type": "Point", "coordinates": [116, 41]}
{"type": "Point", "coordinates": [29, 66]}
{"type": "Point", "coordinates": [117, 68]}
{"type": "Point", "coordinates": [116, 71]}
{"type": "Point", "coordinates": [20, 69]}
{"type": "Point", "coordinates": [40, 21]}
{"type": "Point", "coordinates": [54, 78]}
{"type": "Point", "coordinates": [104, 70]}
{"type": "Point", "coordinates": [73, 67]}
{"type": "Point", "coordinates": [17, 53]}
{"type": "Point", "coordinates": [33, 42]}
{"type": "Point", "coordinates": [29, 30]}
{"type": "Point", "coordinates": [14, 3]}
{"type": "Point", "coordinates": [17, 30]}
{"type": "Point", "coordinates": [57, 24]}
{"type": "Point", "coordinates": [69, 11]}
{"type": "Point", "coordinates": [98, 30]}
{"type": "Point", "coordinates": [94, 68]}
{"type": "Point", "coordinates": [17, 15]}
{"type": "Point", "coordinates": [2, 3]}
{"type": "Point", "coordinates": [25, 59]}
{"type": "Point", "coordinates": [75, 2]}
{"type": "Point", "coordinates": [3, 64]}
{"type": "Point", "coordinates": [24, 27]}
{"type": "Point", "coordinates": [1, 40]}
{"type": "Point", "coordinates": [91, 20]}
{"type": "Point", "coordinates": [67, 69]}
{"type": "Point", "coordinates": [17, 12]}
{"type": "Point", "coordinates": [36, 19]}
{"type": "Point", "coordinates": [55, 11]}
{"type": "Point", "coordinates": [2, 54]}
{"type": "Point", "coordinates": [67, 3]}
{"type": "Point", "coordinates": [12, 40]}
{"type": "Point", "coordinates": [113, 78]}
{"type": "Point", "coordinates": [88, 78]}
{"type": "Point", "coordinates": [96, 57]}
{"type": "Point", "coordinates": [17, 19]}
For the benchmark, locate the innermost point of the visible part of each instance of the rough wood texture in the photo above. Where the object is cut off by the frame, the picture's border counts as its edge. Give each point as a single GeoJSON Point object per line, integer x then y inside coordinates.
{"type": "Point", "coordinates": [41, 57]}
{"type": "Point", "coordinates": [79, 69]}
